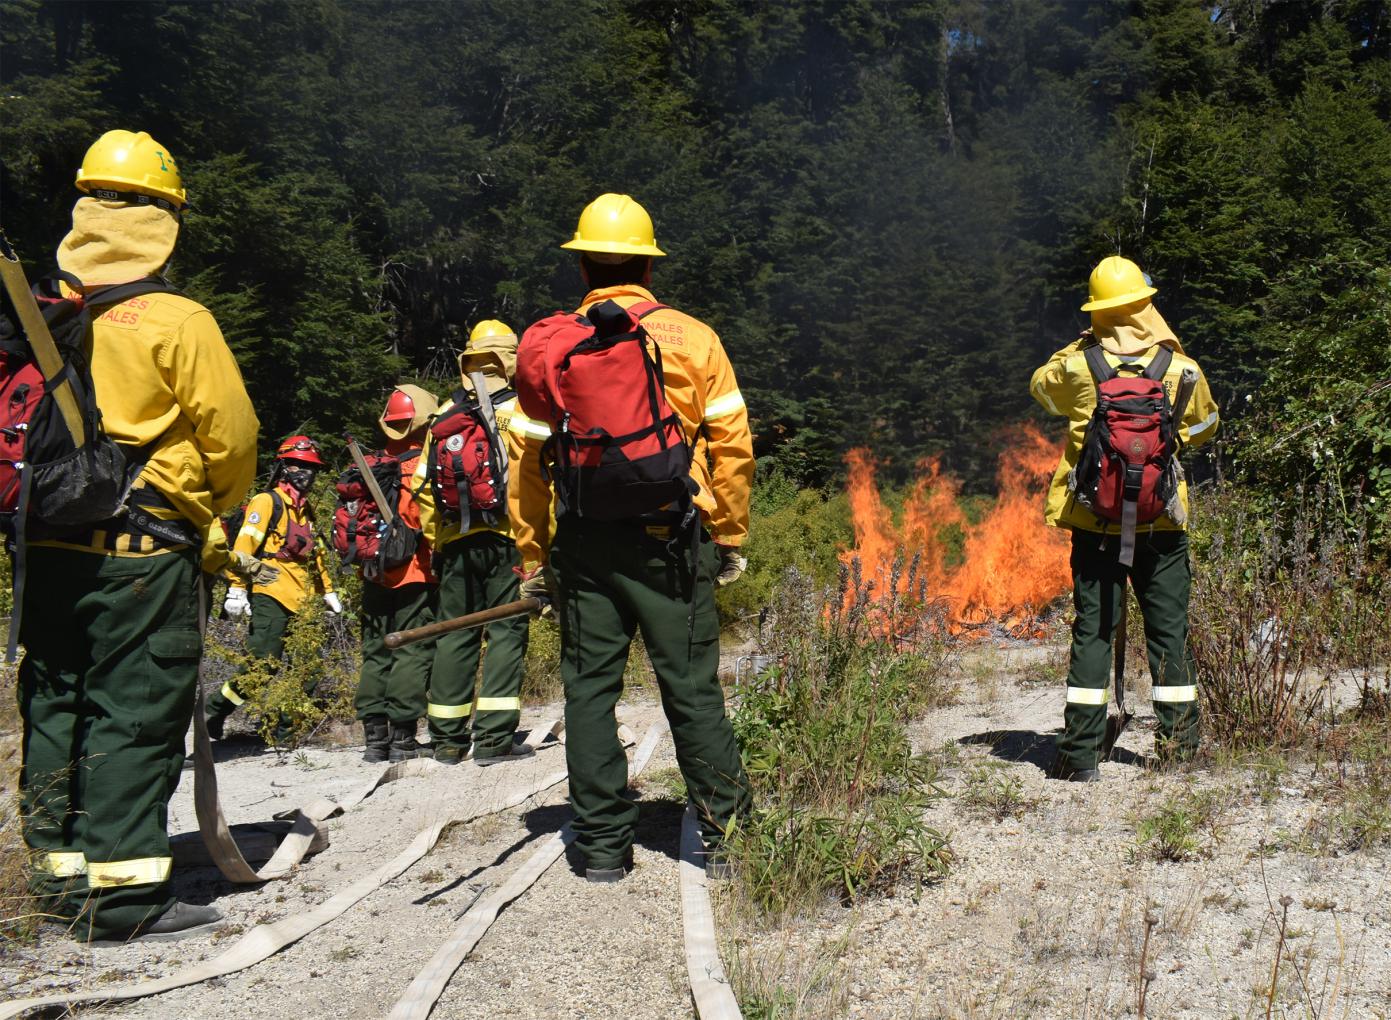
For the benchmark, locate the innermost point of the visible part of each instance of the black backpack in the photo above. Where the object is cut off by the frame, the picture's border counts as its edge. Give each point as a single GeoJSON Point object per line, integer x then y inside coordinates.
{"type": "Point", "coordinates": [51, 483]}
{"type": "Point", "coordinates": [60, 473]}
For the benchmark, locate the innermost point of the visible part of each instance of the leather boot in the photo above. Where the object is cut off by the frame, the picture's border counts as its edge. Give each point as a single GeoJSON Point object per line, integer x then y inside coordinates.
{"type": "Point", "coordinates": [378, 734]}
{"type": "Point", "coordinates": [403, 745]}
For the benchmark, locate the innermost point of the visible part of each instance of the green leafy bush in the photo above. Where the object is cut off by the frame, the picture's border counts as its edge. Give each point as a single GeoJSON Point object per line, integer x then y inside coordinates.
{"type": "Point", "coordinates": [839, 792]}
{"type": "Point", "coordinates": [791, 527]}
{"type": "Point", "coordinates": [313, 682]}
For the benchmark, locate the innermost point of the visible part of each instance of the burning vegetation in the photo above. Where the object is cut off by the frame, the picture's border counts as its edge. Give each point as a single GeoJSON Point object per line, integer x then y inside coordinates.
{"type": "Point", "coordinates": [1000, 572]}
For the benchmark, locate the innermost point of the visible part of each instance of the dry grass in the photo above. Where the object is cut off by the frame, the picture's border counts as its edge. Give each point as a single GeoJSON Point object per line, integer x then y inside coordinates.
{"type": "Point", "coordinates": [17, 920]}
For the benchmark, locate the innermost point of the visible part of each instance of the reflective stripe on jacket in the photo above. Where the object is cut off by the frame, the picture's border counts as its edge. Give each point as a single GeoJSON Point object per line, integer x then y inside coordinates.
{"type": "Point", "coordinates": [1065, 387]}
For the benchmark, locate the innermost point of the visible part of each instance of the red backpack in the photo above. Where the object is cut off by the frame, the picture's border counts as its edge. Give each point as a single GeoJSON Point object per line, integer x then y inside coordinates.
{"type": "Point", "coordinates": [468, 466]}
{"type": "Point", "coordinates": [617, 449]}
{"type": "Point", "coordinates": [360, 534]}
{"type": "Point", "coordinates": [1128, 467]}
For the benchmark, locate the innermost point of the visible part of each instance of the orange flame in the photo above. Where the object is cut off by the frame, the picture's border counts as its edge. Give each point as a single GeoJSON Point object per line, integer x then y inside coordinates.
{"type": "Point", "coordinates": [1013, 566]}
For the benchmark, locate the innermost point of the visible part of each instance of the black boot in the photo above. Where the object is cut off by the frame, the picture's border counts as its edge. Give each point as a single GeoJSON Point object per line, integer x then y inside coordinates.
{"type": "Point", "coordinates": [403, 745]}
{"type": "Point", "coordinates": [378, 734]}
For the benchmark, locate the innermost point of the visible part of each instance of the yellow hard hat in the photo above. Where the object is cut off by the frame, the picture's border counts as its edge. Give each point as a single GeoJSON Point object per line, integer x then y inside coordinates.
{"type": "Point", "coordinates": [617, 225]}
{"type": "Point", "coordinates": [123, 161]}
{"type": "Point", "coordinates": [1116, 281]}
{"type": "Point", "coordinates": [489, 327]}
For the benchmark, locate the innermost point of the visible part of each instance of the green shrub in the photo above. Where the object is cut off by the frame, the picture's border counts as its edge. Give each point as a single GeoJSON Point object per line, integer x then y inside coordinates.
{"type": "Point", "coordinates": [790, 527]}
{"type": "Point", "coordinates": [839, 792]}
{"type": "Point", "coordinates": [313, 682]}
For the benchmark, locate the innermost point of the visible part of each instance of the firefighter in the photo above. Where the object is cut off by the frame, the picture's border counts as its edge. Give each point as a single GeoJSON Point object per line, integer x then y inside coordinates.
{"type": "Point", "coordinates": [613, 578]}
{"type": "Point", "coordinates": [1129, 331]}
{"type": "Point", "coordinates": [110, 618]}
{"type": "Point", "coordinates": [477, 559]}
{"type": "Point", "coordinates": [278, 526]}
{"type": "Point", "coordinates": [391, 689]}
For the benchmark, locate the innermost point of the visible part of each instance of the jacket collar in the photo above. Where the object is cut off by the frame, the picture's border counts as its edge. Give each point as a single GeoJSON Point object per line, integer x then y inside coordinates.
{"type": "Point", "coordinates": [634, 291]}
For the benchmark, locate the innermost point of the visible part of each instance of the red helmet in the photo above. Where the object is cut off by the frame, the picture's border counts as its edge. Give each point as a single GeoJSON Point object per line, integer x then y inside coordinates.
{"type": "Point", "coordinates": [399, 408]}
{"type": "Point", "coordinates": [300, 448]}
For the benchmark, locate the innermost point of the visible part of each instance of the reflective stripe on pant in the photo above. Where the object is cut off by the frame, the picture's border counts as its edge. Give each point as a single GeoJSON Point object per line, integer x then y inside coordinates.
{"type": "Point", "coordinates": [265, 640]}
{"type": "Point", "coordinates": [476, 574]}
{"type": "Point", "coordinates": [613, 582]}
{"type": "Point", "coordinates": [393, 684]}
{"type": "Point", "coordinates": [1161, 579]}
{"type": "Point", "coordinates": [106, 694]}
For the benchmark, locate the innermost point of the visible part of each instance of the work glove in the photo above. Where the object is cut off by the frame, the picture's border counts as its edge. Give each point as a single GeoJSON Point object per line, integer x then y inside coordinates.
{"type": "Point", "coordinates": [334, 603]}
{"type": "Point", "coordinates": [252, 570]}
{"type": "Point", "coordinates": [537, 583]}
{"type": "Point", "coordinates": [237, 604]}
{"type": "Point", "coordinates": [732, 565]}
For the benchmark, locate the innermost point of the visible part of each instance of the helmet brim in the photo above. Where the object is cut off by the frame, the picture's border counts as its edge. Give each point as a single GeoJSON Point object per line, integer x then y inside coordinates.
{"type": "Point", "coordinates": [1120, 299]}
{"type": "Point", "coordinates": [613, 247]}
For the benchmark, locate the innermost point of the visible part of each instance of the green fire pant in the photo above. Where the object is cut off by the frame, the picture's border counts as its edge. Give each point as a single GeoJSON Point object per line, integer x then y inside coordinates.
{"type": "Point", "coordinates": [614, 579]}
{"type": "Point", "coordinates": [265, 640]}
{"type": "Point", "coordinates": [106, 694]}
{"type": "Point", "coordinates": [393, 684]}
{"type": "Point", "coordinates": [1161, 577]}
{"type": "Point", "coordinates": [476, 574]}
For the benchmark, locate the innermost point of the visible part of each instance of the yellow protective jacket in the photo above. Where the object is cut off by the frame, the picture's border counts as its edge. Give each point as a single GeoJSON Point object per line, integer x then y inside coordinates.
{"type": "Point", "coordinates": [701, 388]}
{"type": "Point", "coordinates": [297, 581]}
{"type": "Point", "coordinates": [1065, 387]}
{"type": "Point", "coordinates": [498, 359]}
{"type": "Point", "coordinates": [165, 378]}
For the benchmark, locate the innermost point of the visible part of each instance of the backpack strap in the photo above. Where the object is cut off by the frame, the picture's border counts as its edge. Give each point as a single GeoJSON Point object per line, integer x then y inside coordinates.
{"type": "Point", "coordinates": [1096, 361]}
{"type": "Point", "coordinates": [1159, 364]}
{"type": "Point", "coordinates": [277, 511]}
{"type": "Point", "coordinates": [643, 309]}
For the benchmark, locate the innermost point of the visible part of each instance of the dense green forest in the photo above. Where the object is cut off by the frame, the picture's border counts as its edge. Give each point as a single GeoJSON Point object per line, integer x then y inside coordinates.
{"type": "Point", "coordinates": [888, 208]}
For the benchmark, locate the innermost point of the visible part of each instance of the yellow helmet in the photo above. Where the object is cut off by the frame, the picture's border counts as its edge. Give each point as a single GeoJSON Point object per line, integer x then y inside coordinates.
{"type": "Point", "coordinates": [487, 328]}
{"type": "Point", "coordinates": [617, 225]}
{"type": "Point", "coordinates": [1116, 281]}
{"type": "Point", "coordinates": [123, 161]}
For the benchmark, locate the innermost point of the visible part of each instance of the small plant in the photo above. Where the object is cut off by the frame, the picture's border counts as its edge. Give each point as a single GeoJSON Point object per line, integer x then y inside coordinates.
{"type": "Point", "coordinates": [1181, 830]}
{"type": "Point", "coordinates": [990, 790]}
{"type": "Point", "coordinates": [541, 682]}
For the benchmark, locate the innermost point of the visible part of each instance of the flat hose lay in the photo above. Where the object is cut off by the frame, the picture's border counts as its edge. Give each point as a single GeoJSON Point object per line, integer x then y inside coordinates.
{"type": "Point", "coordinates": [714, 999]}
{"type": "Point", "coordinates": [265, 940]}
{"type": "Point", "coordinates": [429, 984]}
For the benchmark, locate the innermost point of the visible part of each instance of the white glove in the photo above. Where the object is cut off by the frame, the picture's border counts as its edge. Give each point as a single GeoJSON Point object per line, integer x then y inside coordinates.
{"type": "Point", "coordinates": [237, 603]}
{"type": "Point", "coordinates": [334, 603]}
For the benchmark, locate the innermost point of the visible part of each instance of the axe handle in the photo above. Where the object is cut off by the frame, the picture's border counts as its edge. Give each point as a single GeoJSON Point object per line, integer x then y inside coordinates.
{"type": "Point", "coordinates": [370, 480]}
{"type": "Point", "coordinates": [522, 607]}
{"type": "Point", "coordinates": [45, 350]}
